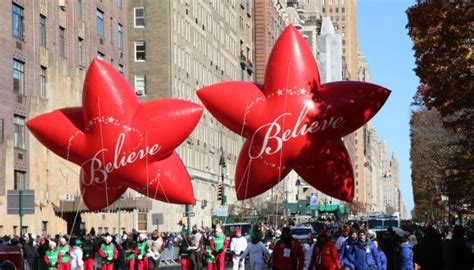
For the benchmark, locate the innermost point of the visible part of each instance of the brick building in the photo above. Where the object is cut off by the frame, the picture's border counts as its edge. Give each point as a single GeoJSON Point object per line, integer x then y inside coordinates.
{"type": "Point", "coordinates": [46, 48]}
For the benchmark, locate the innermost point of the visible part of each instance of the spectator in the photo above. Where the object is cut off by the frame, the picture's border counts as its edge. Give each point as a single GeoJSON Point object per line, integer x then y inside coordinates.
{"type": "Point", "coordinates": [325, 256]}
{"type": "Point", "coordinates": [363, 254]}
{"type": "Point", "coordinates": [287, 253]}
{"type": "Point", "coordinates": [428, 254]}
{"type": "Point", "coordinates": [256, 251]}
{"type": "Point", "coordinates": [406, 254]}
{"type": "Point", "coordinates": [456, 254]}
{"type": "Point", "coordinates": [76, 256]}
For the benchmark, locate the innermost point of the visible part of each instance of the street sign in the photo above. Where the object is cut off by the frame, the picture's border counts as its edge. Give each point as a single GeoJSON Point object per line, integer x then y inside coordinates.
{"type": "Point", "coordinates": [191, 214]}
{"type": "Point", "coordinates": [222, 211]}
{"type": "Point", "coordinates": [27, 201]}
{"type": "Point", "coordinates": [157, 219]}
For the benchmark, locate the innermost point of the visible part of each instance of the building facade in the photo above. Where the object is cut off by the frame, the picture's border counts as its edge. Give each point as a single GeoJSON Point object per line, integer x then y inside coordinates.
{"type": "Point", "coordinates": [197, 43]}
{"type": "Point", "coordinates": [46, 48]}
{"type": "Point", "coordinates": [269, 22]}
{"type": "Point", "coordinates": [343, 14]}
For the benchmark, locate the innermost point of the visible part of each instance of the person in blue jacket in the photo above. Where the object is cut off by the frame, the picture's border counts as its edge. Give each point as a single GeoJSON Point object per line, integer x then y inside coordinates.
{"type": "Point", "coordinates": [344, 251]}
{"type": "Point", "coordinates": [381, 255]}
{"type": "Point", "coordinates": [406, 254]}
{"type": "Point", "coordinates": [363, 254]}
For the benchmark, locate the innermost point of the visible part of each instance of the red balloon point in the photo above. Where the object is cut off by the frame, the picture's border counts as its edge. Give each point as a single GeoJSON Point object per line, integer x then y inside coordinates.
{"type": "Point", "coordinates": [120, 142]}
{"type": "Point", "coordinates": [293, 122]}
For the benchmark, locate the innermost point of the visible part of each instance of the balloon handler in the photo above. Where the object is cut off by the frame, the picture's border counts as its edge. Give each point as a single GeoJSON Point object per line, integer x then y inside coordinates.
{"type": "Point", "coordinates": [52, 256]}
{"type": "Point", "coordinates": [215, 256]}
{"type": "Point", "coordinates": [108, 253]}
{"type": "Point", "coordinates": [64, 250]}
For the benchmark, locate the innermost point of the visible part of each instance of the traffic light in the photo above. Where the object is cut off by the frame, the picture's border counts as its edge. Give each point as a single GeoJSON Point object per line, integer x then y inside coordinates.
{"type": "Point", "coordinates": [219, 191]}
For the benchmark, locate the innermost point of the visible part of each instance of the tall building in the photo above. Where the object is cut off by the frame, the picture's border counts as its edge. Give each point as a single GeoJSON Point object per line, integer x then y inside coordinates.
{"type": "Point", "coordinates": [343, 14]}
{"type": "Point", "coordinates": [269, 22]}
{"type": "Point", "coordinates": [178, 47]}
{"type": "Point", "coordinates": [46, 48]}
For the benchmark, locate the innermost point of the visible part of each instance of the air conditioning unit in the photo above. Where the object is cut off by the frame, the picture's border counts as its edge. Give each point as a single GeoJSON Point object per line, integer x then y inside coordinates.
{"type": "Point", "coordinates": [140, 92]}
{"type": "Point", "coordinates": [69, 197]}
{"type": "Point", "coordinates": [62, 3]}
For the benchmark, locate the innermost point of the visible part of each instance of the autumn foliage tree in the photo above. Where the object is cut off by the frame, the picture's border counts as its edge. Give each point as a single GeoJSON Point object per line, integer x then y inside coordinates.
{"type": "Point", "coordinates": [432, 149]}
{"type": "Point", "coordinates": [443, 43]}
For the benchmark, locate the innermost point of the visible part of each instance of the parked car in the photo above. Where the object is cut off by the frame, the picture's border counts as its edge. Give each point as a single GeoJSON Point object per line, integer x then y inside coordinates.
{"type": "Point", "coordinates": [13, 254]}
{"type": "Point", "coordinates": [301, 233]}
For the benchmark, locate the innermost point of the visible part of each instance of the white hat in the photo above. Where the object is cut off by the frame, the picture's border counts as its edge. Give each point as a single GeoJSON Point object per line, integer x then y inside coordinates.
{"type": "Point", "coordinates": [62, 240]}
{"type": "Point", "coordinates": [108, 238]}
{"type": "Point", "coordinates": [52, 244]}
{"type": "Point", "coordinates": [278, 232]}
{"type": "Point", "coordinates": [218, 230]}
{"type": "Point", "coordinates": [142, 236]}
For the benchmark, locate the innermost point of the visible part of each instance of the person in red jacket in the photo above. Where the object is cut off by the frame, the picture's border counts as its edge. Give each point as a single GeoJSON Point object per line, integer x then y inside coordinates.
{"type": "Point", "coordinates": [108, 253]}
{"type": "Point", "coordinates": [287, 254]}
{"type": "Point", "coordinates": [325, 256]}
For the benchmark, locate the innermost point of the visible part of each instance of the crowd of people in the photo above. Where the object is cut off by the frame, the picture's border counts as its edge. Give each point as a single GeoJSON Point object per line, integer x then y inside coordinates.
{"type": "Point", "coordinates": [334, 246]}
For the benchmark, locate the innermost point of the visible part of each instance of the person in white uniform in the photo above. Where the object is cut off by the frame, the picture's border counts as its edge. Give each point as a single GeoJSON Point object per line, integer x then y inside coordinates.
{"type": "Point", "coordinates": [256, 250]}
{"type": "Point", "coordinates": [238, 246]}
{"type": "Point", "coordinates": [308, 251]}
{"type": "Point", "coordinates": [76, 256]}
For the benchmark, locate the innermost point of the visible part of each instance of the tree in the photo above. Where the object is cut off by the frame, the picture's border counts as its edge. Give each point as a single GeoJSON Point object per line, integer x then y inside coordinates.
{"type": "Point", "coordinates": [432, 149]}
{"type": "Point", "coordinates": [443, 43]}
{"type": "Point", "coordinates": [357, 207]}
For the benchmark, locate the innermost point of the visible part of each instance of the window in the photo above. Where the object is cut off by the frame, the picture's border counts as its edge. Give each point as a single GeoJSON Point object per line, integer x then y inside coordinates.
{"type": "Point", "coordinates": [120, 69]}
{"type": "Point", "coordinates": [343, 10]}
{"type": "Point", "coordinates": [337, 10]}
{"type": "Point", "coordinates": [139, 17]}
{"type": "Point", "coordinates": [100, 23]}
{"type": "Point", "coordinates": [18, 77]}
{"type": "Point", "coordinates": [139, 51]}
{"type": "Point", "coordinates": [100, 55]}
{"type": "Point", "coordinates": [140, 85]}
{"type": "Point", "coordinates": [19, 136]}
{"type": "Point", "coordinates": [79, 9]}
{"type": "Point", "coordinates": [81, 51]}
{"type": "Point", "coordinates": [119, 3]}
{"type": "Point", "coordinates": [17, 22]}
{"type": "Point", "coordinates": [43, 82]}
{"type": "Point", "coordinates": [142, 222]}
{"type": "Point", "coordinates": [120, 36]}
{"type": "Point", "coordinates": [44, 228]}
{"type": "Point", "coordinates": [62, 42]}
{"type": "Point", "coordinates": [42, 30]}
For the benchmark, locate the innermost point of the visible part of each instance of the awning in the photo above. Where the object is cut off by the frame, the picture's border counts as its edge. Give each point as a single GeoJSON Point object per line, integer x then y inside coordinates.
{"type": "Point", "coordinates": [142, 204]}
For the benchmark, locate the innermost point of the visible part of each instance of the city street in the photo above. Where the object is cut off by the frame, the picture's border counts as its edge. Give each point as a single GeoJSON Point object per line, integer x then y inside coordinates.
{"type": "Point", "coordinates": [331, 132]}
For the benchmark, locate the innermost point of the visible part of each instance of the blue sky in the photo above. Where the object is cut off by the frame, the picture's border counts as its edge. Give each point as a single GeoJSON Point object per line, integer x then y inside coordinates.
{"type": "Point", "coordinates": [383, 39]}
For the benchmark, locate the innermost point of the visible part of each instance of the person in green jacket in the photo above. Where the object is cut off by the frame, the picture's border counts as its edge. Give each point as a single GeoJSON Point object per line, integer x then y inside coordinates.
{"type": "Point", "coordinates": [142, 247]}
{"type": "Point", "coordinates": [108, 253]}
{"type": "Point", "coordinates": [52, 256]}
{"type": "Point", "coordinates": [64, 250]}
{"type": "Point", "coordinates": [130, 250]}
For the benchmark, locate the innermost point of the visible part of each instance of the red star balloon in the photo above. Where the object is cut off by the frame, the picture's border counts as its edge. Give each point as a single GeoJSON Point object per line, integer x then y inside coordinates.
{"type": "Point", "coordinates": [120, 142]}
{"type": "Point", "coordinates": [293, 122]}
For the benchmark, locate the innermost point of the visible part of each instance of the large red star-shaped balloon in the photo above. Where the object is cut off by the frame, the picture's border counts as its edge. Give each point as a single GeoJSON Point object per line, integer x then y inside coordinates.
{"type": "Point", "coordinates": [120, 142]}
{"type": "Point", "coordinates": [293, 122]}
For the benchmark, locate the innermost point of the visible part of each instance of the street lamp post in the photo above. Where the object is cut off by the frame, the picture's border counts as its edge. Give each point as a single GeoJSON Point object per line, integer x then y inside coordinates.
{"type": "Point", "coordinates": [223, 170]}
